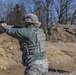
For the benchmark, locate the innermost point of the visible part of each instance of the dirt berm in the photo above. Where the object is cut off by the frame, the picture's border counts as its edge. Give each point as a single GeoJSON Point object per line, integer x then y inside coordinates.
{"type": "Point", "coordinates": [62, 33]}
{"type": "Point", "coordinates": [10, 55]}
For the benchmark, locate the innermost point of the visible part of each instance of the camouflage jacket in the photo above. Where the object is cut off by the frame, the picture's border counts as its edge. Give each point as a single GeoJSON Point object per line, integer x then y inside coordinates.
{"type": "Point", "coordinates": [28, 36]}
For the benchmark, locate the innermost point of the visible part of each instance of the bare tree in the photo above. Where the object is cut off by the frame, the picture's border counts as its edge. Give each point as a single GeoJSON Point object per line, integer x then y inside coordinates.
{"type": "Point", "coordinates": [43, 10]}
{"type": "Point", "coordinates": [73, 20]}
{"type": "Point", "coordinates": [2, 10]}
{"type": "Point", "coordinates": [9, 15]}
{"type": "Point", "coordinates": [62, 10]}
{"type": "Point", "coordinates": [15, 14]}
{"type": "Point", "coordinates": [40, 12]}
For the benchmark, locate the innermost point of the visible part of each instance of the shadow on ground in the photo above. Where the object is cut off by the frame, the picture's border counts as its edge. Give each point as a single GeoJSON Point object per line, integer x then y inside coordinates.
{"type": "Point", "coordinates": [58, 70]}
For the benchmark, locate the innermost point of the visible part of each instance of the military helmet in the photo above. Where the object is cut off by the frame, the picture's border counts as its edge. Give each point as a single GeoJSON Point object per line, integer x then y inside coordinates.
{"type": "Point", "coordinates": [32, 18]}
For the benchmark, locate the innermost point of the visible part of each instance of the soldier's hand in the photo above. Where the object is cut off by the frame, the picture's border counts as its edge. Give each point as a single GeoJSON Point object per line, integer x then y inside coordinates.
{"type": "Point", "coordinates": [1, 26]}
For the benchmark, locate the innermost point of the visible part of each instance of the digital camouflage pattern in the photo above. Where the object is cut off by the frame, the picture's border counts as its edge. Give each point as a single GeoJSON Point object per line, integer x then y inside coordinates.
{"type": "Point", "coordinates": [32, 18]}
{"type": "Point", "coordinates": [33, 44]}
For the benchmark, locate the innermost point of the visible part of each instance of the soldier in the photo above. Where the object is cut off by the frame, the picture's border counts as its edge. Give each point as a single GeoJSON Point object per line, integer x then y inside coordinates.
{"type": "Point", "coordinates": [33, 44]}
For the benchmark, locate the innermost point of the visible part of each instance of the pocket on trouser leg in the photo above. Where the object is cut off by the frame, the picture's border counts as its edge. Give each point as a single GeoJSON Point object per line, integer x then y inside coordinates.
{"type": "Point", "coordinates": [31, 72]}
{"type": "Point", "coordinates": [45, 73]}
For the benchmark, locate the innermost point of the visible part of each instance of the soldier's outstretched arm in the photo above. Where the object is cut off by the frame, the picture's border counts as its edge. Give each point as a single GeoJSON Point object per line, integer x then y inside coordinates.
{"type": "Point", "coordinates": [17, 32]}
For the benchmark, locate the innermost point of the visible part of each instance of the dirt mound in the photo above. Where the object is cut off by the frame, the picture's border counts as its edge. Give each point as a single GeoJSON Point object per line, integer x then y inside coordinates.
{"type": "Point", "coordinates": [53, 51]}
{"type": "Point", "coordinates": [10, 54]}
{"type": "Point", "coordinates": [9, 51]}
{"type": "Point", "coordinates": [64, 33]}
{"type": "Point", "coordinates": [59, 60]}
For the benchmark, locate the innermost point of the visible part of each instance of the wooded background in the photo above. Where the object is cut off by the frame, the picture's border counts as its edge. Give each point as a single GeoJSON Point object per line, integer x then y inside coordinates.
{"type": "Point", "coordinates": [49, 12]}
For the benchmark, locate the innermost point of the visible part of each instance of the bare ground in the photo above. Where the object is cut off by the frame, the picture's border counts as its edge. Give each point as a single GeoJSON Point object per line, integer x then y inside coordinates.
{"type": "Point", "coordinates": [61, 56]}
{"type": "Point", "coordinates": [57, 66]}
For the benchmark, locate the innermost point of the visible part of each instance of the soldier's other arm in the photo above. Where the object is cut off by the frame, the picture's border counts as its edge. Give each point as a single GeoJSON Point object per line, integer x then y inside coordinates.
{"type": "Point", "coordinates": [14, 31]}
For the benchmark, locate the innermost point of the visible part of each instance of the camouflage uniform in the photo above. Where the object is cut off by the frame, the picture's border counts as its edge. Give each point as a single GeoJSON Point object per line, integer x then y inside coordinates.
{"type": "Point", "coordinates": [33, 44]}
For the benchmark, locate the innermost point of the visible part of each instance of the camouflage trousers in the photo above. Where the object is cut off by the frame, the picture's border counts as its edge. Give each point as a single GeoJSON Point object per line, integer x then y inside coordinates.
{"type": "Point", "coordinates": [38, 67]}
